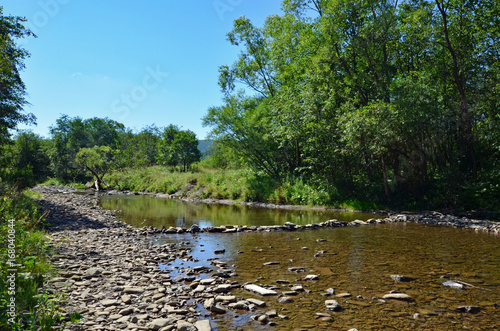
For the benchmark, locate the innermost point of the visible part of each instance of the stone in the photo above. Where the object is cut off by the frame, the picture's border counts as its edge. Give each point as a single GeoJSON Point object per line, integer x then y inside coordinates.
{"type": "Point", "coordinates": [133, 290]}
{"type": "Point", "coordinates": [203, 325]}
{"type": "Point", "coordinates": [271, 263]}
{"type": "Point", "coordinates": [454, 285]}
{"type": "Point", "coordinates": [285, 300]}
{"type": "Point", "coordinates": [224, 288]}
{"type": "Point", "coordinates": [92, 272]}
{"type": "Point", "coordinates": [469, 309]}
{"type": "Point", "coordinates": [259, 290]}
{"type": "Point", "coordinates": [207, 281]}
{"type": "Point", "coordinates": [159, 323]}
{"type": "Point", "coordinates": [399, 278]}
{"type": "Point", "coordinates": [243, 305]}
{"type": "Point", "coordinates": [257, 302]}
{"type": "Point", "coordinates": [185, 326]}
{"type": "Point", "coordinates": [330, 291]}
{"type": "Point", "coordinates": [217, 309]}
{"type": "Point", "coordinates": [297, 269]}
{"type": "Point", "coordinates": [126, 299]}
{"type": "Point", "coordinates": [126, 311]}
{"type": "Point", "coordinates": [311, 277]}
{"type": "Point", "coordinates": [332, 305]}
{"type": "Point", "coordinates": [263, 319]}
{"type": "Point", "coordinates": [397, 296]}
{"type": "Point", "coordinates": [225, 298]}
{"type": "Point", "coordinates": [107, 303]}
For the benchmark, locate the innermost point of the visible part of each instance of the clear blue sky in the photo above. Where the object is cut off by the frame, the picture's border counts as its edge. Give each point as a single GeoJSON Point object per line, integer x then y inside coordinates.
{"type": "Point", "coordinates": [136, 62]}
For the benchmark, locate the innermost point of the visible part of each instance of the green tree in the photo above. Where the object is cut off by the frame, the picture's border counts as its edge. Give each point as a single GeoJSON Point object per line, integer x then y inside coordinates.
{"type": "Point", "coordinates": [185, 146]}
{"type": "Point", "coordinates": [178, 147]}
{"type": "Point", "coordinates": [30, 153]}
{"type": "Point", "coordinates": [98, 160]}
{"type": "Point", "coordinates": [166, 153]}
{"type": "Point", "coordinates": [69, 135]}
{"type": "Point", "coordinates": [12, 88]}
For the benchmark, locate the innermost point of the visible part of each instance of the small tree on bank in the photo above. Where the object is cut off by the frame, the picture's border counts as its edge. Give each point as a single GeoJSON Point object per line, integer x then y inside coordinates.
{"type": "Point", "coordinates": [97, 160]}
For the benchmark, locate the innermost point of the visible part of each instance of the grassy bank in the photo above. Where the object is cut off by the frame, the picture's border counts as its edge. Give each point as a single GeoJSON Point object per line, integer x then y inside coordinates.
{"type": "Point", "coordinates": [233, 184]}
{"type": "Point", "coordinates": [25, 304]}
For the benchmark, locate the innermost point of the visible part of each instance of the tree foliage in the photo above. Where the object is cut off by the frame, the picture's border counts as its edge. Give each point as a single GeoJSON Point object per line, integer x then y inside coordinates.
{"type": "Point", "coordinates": [12, 88]}
{"type": "Point", "coordinates": [379, 99]}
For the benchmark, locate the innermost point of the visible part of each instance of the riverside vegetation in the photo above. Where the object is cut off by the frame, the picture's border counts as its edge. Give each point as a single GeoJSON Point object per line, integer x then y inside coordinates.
{"type": "Point", "coordinates": [35, 306]}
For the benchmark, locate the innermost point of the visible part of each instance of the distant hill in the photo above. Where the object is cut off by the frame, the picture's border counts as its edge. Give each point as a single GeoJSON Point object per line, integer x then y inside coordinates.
{"type": "Point", "coordinates": [204, 147]}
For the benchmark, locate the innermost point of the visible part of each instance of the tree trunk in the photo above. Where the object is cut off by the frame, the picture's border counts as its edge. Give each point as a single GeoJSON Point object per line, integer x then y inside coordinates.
{"type": "Point", "coordinates": [466, 139]}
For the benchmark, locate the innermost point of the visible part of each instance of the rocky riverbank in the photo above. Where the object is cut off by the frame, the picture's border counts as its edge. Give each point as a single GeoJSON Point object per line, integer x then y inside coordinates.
{"type": "Point", "coordinates": [110, 277]}
{"type": "Point", "coordinates": [110, 272]}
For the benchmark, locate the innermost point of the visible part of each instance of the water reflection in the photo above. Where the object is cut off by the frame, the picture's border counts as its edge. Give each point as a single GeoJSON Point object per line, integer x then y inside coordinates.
{"type": "Point", "coordinates": [360, 261]}
{"type": "Point", "coordinates": [157, 212]}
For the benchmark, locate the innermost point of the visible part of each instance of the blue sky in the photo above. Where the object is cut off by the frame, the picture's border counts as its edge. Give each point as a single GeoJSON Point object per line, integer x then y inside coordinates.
{"type": "Point", "coordinates": [136, 62]}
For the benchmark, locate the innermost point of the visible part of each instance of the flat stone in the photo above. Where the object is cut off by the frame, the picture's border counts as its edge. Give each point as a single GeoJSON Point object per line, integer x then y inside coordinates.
{"type": "Point", "coordinates": [203, 325]}
{"type": "Point", "coordinates": [257, 302]}
{"type": "Point", "coordinates": [207, 281]}
{"type": "Point", "coordinates": [243, 305]}
{"type": "Point", "coordinates": [397, 296]}
{"type": "Point", "coordinates": [159, 323]}
{"type": "Point", "coordinates": [271, 263]}
{"type": "Point", "coordinates": [225, 298]}
{"type": "Point", "coordinates": [184, 326]}
{"type": "Point", "coordinates": [217, 309]}
{"type": "Point", "coordinates": [259, 290]}
{"type": "Point", "coordinates": [126, 299]}
{"type": "Point", "coordinates": [108, 302]}
{"type": "Point", "coordinates": [133, 290]}
{"type": "Point", "coordinates": [454, 285]}
{"type": "Point", "coordinates": [92, 272]}
{"type": "Point", "coordinates": [311, 277]}
{"type": "Point", "coordinates": [126, 311]}
{"type": "Point", "coordinates": [224, 288]}
{"type": "Point", "coordinates": [285, 300]}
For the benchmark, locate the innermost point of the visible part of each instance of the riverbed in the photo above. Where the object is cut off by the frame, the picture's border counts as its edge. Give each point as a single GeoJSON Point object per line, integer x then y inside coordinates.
{"type": "Point", "coordinates": [118, 275]}
{"type": "Point", "coordinates": [354, 263]}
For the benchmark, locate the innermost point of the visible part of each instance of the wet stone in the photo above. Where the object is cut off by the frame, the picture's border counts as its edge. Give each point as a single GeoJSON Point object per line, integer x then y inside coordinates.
{"type": "Point", "coordinates": [332, 305]}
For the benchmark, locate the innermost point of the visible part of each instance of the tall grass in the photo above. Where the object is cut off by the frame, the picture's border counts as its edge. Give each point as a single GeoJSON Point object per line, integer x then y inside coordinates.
{"type": "Point", "coordinates": [35, 308]}
{"type": "Point", "coordinates": [233, 184]}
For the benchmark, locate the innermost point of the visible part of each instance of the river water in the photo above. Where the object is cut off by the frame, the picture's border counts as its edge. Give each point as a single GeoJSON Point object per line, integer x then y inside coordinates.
{"type": "Point", "coordinates": [354, 260]}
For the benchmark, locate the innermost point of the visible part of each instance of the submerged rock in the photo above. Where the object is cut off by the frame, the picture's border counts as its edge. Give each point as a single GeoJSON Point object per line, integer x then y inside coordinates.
{"type": "Point", "coordinates": [469, 309]}
{"type": "Point", "coordinates": [332, 305]}
{"type": "Point", "coordinates": [397, 296]}
{"type": "Point", "coordinates": [259, 290]}
{"type": "Point", "coordinates": [454, 285]}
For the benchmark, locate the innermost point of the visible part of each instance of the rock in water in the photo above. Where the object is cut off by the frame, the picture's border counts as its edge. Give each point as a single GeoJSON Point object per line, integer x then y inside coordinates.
{"type": "Point", "coordinates": [397, 296]}
{"type": "Point", "coordinates": [469, 309]}
{"type": "Point", "coordinates": [332, 305]}
{"type": "Point", "coordinates": [259, 290]}
{"type": "Point", "coordinates": [454, 285]}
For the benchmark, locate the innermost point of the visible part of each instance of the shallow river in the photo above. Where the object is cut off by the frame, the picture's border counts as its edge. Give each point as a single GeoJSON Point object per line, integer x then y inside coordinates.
{"type": "Point", "coordinates": [354, 260]}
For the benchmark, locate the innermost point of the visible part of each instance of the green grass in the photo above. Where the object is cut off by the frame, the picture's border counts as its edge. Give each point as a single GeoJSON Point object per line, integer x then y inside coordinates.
{"type": "Point", "coordinates": [58, 182]}
{"type": "Point", "coordinates": [233, 184]}
{"type": "Point", "coordinates": [35, 308]}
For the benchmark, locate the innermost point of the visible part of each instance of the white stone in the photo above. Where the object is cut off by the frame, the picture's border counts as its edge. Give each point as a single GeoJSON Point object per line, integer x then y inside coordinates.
{"type": "Point", "coordinates": [259, 290]}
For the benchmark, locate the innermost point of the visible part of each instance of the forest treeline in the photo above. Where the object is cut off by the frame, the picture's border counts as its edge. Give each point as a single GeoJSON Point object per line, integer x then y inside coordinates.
{"type": "Point", "coordinates": [81, 149]}
{"type": "Point", "coordinates": [395, 102]}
